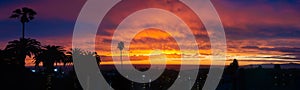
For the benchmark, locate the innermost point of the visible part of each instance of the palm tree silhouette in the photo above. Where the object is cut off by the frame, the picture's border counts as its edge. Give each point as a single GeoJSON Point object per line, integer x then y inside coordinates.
{"type": "Point", "coordinates": [79, 53]}
{"type": "Point", "coordinates": [25, 15]}
{"type": "Point", "coordinates": [121, 47]}
{"type": "Point", "coordinates": [69, 58]}
{"type": "Point", "coordinates": [49, 56]}
{"type": "Point", "coordinates": [22, 48]}
{"type": "Point", "coordinates": [72, 53]}
{"type": "Point", "coordinates": [98, 59]}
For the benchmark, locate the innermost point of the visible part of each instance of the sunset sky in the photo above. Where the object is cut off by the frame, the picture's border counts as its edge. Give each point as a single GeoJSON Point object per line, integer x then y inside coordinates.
{"type": "Point", "coordinates": [257, 31]}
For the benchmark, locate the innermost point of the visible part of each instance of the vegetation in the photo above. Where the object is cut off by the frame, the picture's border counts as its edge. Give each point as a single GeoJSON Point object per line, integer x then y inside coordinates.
{"type": "Point", "coordinates": [22, 48]}
{"type": "Point", "coordinates": [24, 15]}
{"type": "Point", "coordinates": [50, 55]}
{"type": "Point", "coordinates": [121, 47]}
{"type": "Point", "coordinates": [15, 76]}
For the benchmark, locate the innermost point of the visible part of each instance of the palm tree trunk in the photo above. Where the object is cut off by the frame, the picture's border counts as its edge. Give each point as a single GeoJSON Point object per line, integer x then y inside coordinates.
{"type": "Point", "coordinates": [22, 54]}
{"type": "Point", "coordinates": [23, 30]}
{"type": "Point", "coordinates": [121, 59]}
{"type": "Point", "coordinates": [22, 59]}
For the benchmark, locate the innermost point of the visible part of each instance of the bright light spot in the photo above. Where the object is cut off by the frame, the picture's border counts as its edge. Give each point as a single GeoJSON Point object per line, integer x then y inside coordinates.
{"type": "Point", "coordinates": [55, 70]}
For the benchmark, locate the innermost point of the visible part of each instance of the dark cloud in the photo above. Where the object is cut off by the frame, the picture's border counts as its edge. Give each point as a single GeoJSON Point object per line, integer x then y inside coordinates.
{"type": "Point", "coordinates": [283, 49]}
{"type": "Point", "coordinates": [106, 40]}
{"type": "Point", "coordinates": [269, 61]}
{"type": "Point", "coordinates": [292, 51]}
{"type": "Point", "coordinates": [279, 49]}
{"type": "Point", "coordinates": [250, 47]}
{"type": "Point", "coordinates": [278, 57]}
{"type": "Point", "coordinates": [262, 32]}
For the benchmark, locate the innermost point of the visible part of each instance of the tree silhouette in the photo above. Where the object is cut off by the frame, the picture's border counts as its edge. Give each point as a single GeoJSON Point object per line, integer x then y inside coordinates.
{"type": "Point", "coordinates": [72, 53]}
{"type": "Point", "coordinates": [233, 68]}
{"type": "Point", "coordinates": [50, 55]}
{"type": "Point", "coordinates": [98, 59]}
{"type": "Point", "coordinates": [234, 65]}
{"type": "Point", "coordinates": [25, 15]}
{"type": "Point", "coordinates": [22, 48]}
{"type": "Point", "coordinates": [121, 47]}
{"type": "Point", "coordinates": [79, 52]}
{"type": "Point", "coordinates": [69, 58]}
{"type": "Point", "coordinates": [6, 58]}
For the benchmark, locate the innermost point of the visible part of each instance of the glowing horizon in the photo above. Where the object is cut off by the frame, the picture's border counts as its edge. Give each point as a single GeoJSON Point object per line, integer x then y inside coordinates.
{"type": "Point", "coordinates": [253, 37]}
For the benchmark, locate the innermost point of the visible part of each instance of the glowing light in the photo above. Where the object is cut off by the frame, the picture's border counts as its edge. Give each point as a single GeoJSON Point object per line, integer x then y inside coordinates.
{"type": "Point", "coordinates": [55, 70]}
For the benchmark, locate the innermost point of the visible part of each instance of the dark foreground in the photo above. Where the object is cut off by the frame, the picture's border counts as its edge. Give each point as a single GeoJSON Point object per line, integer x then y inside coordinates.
{"type": "Point", "coordinates": [20, 78]}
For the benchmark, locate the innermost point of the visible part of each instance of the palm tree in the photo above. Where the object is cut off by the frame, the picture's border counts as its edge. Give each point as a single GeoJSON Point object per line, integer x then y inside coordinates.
{"type": "Point", "coordinates": [25, 15]}
{"type": "Point", "coordinates": [22, 48]}
{"type": "Point", "coordinates": [70, 54]}
{"type": "Point", "coordinates": [79, 52]}
{"type": "Point", "coordinates": [98, 59]}
{"type": "Point", "coordinates": [50, 55]}
{"type": "Point", "coordinates": [68, 59]}
{"type": "Point", "coordinates": [121, 47]}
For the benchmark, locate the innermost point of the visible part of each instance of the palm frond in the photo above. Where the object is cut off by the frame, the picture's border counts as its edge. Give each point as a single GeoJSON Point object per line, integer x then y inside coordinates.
{"type": "Point", "coordinates": [15, 16]}
{"type": "Point", "coordinates": [17, 11]}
